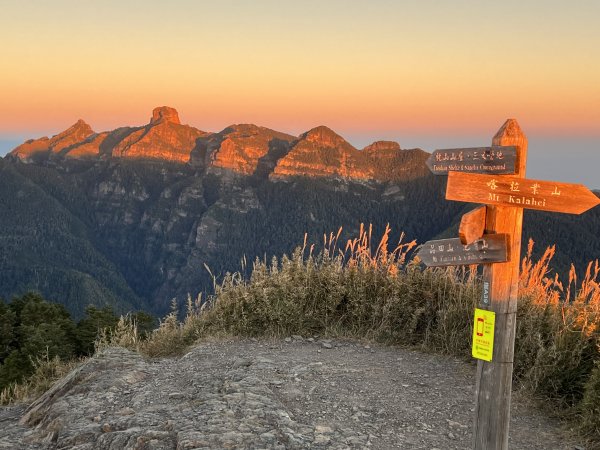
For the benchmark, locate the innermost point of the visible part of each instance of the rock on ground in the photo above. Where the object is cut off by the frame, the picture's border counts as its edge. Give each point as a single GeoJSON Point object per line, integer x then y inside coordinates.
{"type": "Point", "coordinates": [295, 393]}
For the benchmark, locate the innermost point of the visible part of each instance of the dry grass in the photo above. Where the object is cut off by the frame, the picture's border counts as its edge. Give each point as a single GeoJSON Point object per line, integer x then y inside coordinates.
{"type": "Point", "coordinates": [377, 292]}
{"type": "Point", "coordinates": [47, 372]}
{"type": "Point", "coordinates": [557, 352]}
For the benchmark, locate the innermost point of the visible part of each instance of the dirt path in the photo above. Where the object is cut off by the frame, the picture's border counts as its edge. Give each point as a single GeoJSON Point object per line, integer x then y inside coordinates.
{"type": "Point", "coordinates": [293, 393]}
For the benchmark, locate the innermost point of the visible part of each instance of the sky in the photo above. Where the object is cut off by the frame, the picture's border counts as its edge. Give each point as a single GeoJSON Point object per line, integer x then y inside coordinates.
{"type": "Point", "coordinates": [429, 74]}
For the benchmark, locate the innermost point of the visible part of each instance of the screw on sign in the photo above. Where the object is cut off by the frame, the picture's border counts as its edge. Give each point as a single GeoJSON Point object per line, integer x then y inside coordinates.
{"type": "Point", "coordinates": [479, 175]}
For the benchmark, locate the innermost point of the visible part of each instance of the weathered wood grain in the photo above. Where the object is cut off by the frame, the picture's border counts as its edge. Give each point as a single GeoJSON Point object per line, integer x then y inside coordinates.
{"type": "Point", "coordinates": [472, 225]}
{"type": "Point", "coordinates": [521, 193]}
{"type": "Point", "coordinates": [452, 252]}
{"type": "Point", "coordinates": [494, 379]}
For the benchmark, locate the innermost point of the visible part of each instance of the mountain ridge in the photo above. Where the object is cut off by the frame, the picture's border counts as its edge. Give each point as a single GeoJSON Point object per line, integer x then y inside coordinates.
{"type": "Point", "coordinates": [85, 223]}
{"type": "Point", "coordinates": [243, 148]}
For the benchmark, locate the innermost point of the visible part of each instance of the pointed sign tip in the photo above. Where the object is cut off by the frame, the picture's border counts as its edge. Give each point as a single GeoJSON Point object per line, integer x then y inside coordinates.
{"type": "Point", "coordinates": [510, 129]}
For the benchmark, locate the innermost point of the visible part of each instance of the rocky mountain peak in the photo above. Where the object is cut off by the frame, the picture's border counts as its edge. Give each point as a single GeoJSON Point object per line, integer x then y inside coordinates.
{"type": "Point", "coordinates": [164, 114]}
{"type": "Point", "coordinates": [73, 135]}
{"type": "Point", "coordinates": [323, 137]}
{"type": "Point", "coordinates": [379, 146]}
{"type": "Point", "coordinates": [242, 148]}
{"type": "Point", "coordinates": [79, 130]}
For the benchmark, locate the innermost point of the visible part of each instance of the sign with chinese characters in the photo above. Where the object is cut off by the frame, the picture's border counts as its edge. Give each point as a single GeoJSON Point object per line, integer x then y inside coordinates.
{"type": "Point", "coordinates": [520, 192]}
{"type": "Point", "coordinates": [491, 160]}
{"type": "Point", "coordinates": [483, 334]}
{"type": "Point", "coordinates": [451, 252]}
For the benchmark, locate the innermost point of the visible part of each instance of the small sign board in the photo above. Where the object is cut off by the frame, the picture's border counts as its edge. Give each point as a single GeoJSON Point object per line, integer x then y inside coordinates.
{"type": "Point", "coordinates": [485, 298]}
{"type": "Point", "coordinates": [483, 334]}
{"type": "Point", "coordinates": [490, 248]}
{"type": "Point", "coordinates": [491, 160]}
{"type": "Point", "coordinates": [520, 192]}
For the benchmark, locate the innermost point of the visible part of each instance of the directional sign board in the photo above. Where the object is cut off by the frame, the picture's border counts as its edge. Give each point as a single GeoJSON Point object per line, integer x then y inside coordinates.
{"type": "Point", "coordinates": [520, 192]}
{"type": "Point", "coordinates": [490, 248]}
{"type": "Point", "coordinates": [491, 160]}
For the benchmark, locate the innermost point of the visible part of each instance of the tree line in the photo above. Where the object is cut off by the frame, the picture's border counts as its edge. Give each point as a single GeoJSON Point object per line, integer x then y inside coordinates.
{"type": "Point", "coordinates": [32, 327]}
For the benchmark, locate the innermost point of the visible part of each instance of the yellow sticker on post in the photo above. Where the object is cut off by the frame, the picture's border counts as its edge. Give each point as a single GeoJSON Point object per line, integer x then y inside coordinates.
{"type": "Point", "coordinates": [483, 334]}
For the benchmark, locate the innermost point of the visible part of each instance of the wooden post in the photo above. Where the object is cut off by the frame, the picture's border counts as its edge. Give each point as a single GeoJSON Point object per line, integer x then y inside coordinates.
{"type": "Point", "coordinates": [494, 379]}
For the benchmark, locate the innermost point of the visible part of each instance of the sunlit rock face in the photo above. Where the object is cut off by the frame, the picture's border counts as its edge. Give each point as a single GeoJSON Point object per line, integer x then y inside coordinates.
{"type": "Point", "coordinates": [89, 148]}
{"type": "Point", "coordinates": [321, 152]}
{"type": "Point", "coordinates": [243, 148]}
{"type": "Point", "coordinates": [163, 138]}
{"type": "Point", "coordinates": [382, 146]}
{"type": "Point", "coordinates": [73, 135]}
{"type": "Point", "coordinates": [164, 114]}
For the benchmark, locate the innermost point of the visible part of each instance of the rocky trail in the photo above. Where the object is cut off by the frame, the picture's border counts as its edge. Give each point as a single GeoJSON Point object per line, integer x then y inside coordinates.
{"type": "Point", "coordinates": [288, 394]}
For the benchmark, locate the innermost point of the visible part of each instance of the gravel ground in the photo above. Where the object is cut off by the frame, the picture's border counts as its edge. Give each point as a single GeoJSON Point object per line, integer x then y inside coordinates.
{"type": "Point", "coordinates": [286, 394]}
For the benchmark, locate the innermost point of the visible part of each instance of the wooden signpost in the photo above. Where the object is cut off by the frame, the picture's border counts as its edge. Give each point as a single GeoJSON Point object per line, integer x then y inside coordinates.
{"type": "Point", "coordinates": [499, 225]}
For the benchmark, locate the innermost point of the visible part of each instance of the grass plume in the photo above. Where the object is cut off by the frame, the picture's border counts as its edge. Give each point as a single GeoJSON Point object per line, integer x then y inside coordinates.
{"type": "Point", "coordinates": [378, 291]}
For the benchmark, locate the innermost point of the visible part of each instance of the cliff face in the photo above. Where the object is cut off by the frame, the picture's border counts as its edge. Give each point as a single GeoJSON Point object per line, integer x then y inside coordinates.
{"type": "Point", "coordinates": [164, 138]}
{"type": "Point", "coordinates": [320, 152]}
{"type": "Point", "coordinates": [73, 135]}
{"type": "Point", "coordinates": [108, 220]}
{"type": "Point", "coordinates": [89, 148]}
{"type": "Point", "coordinates": [245, 149]}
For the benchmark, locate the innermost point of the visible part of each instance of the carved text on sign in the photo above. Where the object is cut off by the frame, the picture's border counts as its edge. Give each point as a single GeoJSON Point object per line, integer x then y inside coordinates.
{"type": "Point", "coordinates": [496, 160]}
{"type": "Point", "coordinates": [520, 192]}
{"type": "Point", "coordinates": [451, 252]}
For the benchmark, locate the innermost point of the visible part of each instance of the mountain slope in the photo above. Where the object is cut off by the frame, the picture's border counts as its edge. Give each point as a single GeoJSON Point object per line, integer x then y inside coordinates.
{"type": "Point", "coordinates": [46, 248]}
{"type": "Point", "coordinates": [132, 216]}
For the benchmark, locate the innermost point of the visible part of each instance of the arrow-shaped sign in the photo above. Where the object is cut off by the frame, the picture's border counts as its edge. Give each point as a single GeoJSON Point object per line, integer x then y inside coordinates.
{"type": "Point", "coordinates": [520, 192]}
{"type": "Point", "coordinates": [496, 160]}
{"type": "Point", "coordinates": [490, 248]}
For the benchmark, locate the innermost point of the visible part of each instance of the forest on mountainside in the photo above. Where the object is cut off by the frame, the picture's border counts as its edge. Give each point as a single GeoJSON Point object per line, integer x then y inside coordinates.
{"type": "Point", "coordinates": [133, 235]}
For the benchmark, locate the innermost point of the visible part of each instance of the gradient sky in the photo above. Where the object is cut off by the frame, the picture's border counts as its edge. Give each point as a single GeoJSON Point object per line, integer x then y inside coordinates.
{"type": "Point", "coordinates": [426, 73]}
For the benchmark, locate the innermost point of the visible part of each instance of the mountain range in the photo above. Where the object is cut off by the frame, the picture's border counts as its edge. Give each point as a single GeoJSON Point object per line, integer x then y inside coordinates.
{"type": "Point", "coordinates": [131, 217]}
{"type": "Point", "coordinates": [246, 149]}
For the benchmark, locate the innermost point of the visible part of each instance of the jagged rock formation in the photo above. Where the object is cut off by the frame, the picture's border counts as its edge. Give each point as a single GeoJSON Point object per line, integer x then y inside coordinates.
{"type": "Point", "coordinates": [130, 216]}
{"type": "Point", "coordinates": [72, 136]}
{"type": "Point", "coordinates": [382, 146]}
{"type": "Point", "coordinates": [165, 114]}
{"type": "Point", "coordinates": [389, 162]}
{"type": "Point", "coordinates": [242, 148]}
{"type": "Point", "coordinates": [164, 138]}
{"type": "Point", "coordinates": [89, 148]}
{"type": "Point", "coordinates": [245, 149]}
{"type": "Point", "coordinates": [321, 152]}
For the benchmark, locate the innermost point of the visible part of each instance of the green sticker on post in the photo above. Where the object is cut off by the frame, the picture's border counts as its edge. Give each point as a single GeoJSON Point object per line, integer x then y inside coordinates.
{"type": "Point", "coordinates": [483, 334]}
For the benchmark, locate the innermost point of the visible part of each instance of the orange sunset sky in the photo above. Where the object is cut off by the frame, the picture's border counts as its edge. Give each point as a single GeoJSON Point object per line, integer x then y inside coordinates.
{"type": "Point", "coordinates": [426, 73]}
